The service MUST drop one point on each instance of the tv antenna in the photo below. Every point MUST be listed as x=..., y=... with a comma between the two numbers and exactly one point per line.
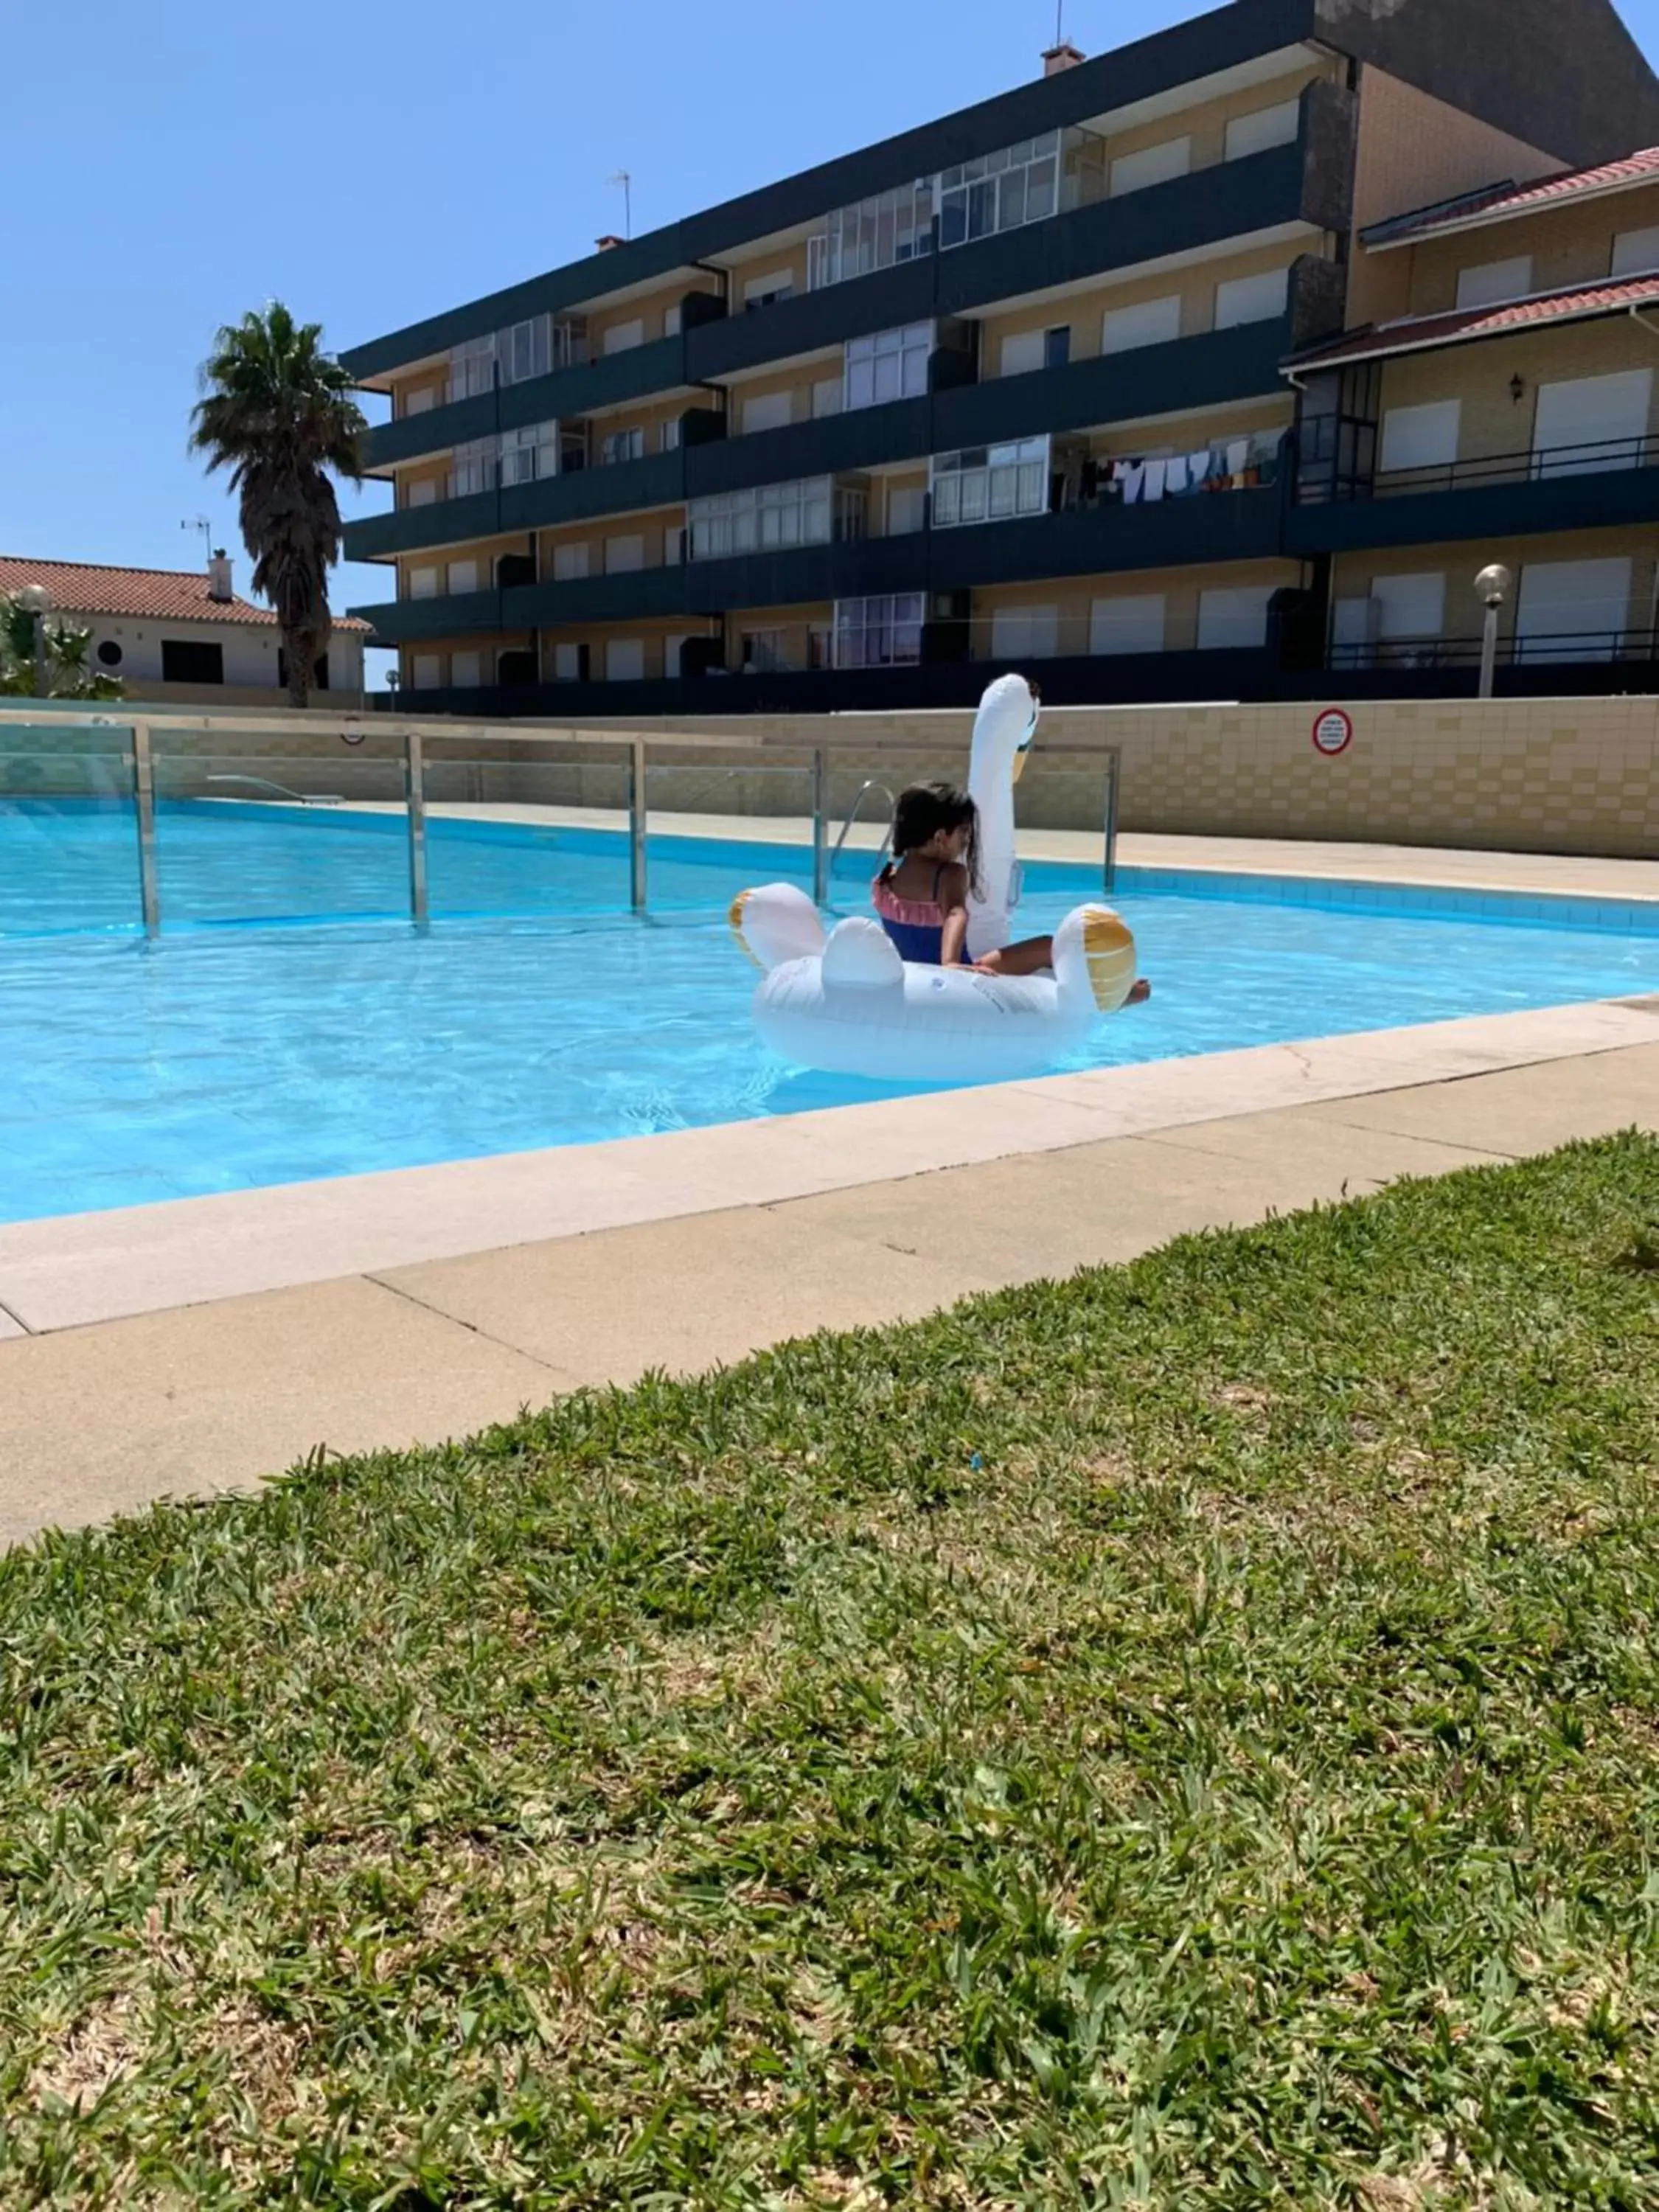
x=625, y=178
x=200, y=522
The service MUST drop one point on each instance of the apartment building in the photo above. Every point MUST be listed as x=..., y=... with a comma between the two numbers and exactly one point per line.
x=1500, y=409
x=1007, y=389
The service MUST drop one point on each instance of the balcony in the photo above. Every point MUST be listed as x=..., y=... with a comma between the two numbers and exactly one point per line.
x=638, y=372
x=1303, y=182
x=1502, y=495
x=622, y=488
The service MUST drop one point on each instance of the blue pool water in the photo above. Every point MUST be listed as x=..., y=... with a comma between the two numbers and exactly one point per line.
x=255, y=1043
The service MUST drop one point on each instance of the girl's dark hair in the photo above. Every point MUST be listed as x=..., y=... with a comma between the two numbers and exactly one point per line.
x=923, y=810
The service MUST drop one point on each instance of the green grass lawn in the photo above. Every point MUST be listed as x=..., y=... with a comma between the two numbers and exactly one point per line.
x=1185, y=1738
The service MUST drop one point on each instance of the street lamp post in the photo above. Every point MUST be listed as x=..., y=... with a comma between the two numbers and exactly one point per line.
x=1493, y=586
x=37, y=601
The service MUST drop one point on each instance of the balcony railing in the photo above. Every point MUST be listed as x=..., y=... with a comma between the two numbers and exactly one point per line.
x=1418, y=654
x=1533, y=465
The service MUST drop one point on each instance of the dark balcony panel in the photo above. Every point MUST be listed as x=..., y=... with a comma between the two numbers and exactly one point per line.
x=833, y=443
x=1171, y=533
x=631, y=595
x=625, y=487
x=1319, y=301
x=812, y=321
x=1159, y=380
x=703, y=426
x=1330, y=137
x=1492, y=512
x=1204, y=209
x=407, y=622
x=638, y=372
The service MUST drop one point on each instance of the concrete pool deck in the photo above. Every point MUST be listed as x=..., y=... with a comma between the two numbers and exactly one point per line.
x=194, y=1347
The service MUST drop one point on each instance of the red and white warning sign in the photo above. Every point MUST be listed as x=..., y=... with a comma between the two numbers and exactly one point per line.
x=1333, y=732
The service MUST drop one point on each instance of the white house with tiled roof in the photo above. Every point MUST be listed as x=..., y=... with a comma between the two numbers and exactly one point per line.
x=184, y=636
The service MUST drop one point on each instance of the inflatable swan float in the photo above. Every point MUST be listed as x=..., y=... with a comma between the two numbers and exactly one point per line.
x=848, y=1004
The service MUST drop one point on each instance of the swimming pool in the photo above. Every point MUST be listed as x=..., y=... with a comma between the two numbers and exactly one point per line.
x=285, y=1028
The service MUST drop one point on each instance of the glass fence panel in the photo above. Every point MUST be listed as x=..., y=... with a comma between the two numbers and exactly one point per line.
x=69, y=838
x=290, y=829
x=719, y=826
x=535, y=830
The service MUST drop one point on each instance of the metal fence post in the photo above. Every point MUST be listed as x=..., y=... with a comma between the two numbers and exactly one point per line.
x=638, y=886
x=1113, y=777
x=820, y=830
x=143, y=800
x=419, y=907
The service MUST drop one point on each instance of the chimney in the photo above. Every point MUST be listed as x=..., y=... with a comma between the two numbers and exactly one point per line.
x=219, y=577
x=1064, y=55
x=606, y=243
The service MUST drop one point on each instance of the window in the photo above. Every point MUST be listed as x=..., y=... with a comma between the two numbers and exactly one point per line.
x=1409, y=607
x=423, y=583
x=624, y=555
x=474, y=469
x=624, y=660
x=1492, y=281
x=674, y=546
x=772, y=410
x=463, y=576
x=828, y=395
x=622, y=446
x=762, y=291
x=999, y=191
x=1572, y=610
x=465, y=671
x=673, y=321
x=990, y=483
x=569, y=663
x=879, y=633
x=109, y=653
x=907, y=509
x=426, y=673
x=622, y=337
x=819, y=648
x=1236, y=618
x=1154, y=165
x=1421, y=437
x=1025, y=633
x=191, y=660
x=888, y=365
x=423, y=492
x=1251, y=299
x=569, y=563
x=571, y=349
x=1127, y=625
x=530, y=454
x=1263, y=127
x=768, y=516
x=873, y=234
x=1022, y=353
x=1151, y=322
x=472, y=368
x=420, y=402
x=673, y=646
x=524, y=351
x=1592, y=423
x=762, y=650
x=669, y=439
x=1636, y=251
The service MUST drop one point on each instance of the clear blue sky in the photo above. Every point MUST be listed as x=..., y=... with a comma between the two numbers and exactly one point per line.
x=184, y=162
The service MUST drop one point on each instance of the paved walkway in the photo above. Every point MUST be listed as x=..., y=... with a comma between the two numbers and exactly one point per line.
x=792, y=1228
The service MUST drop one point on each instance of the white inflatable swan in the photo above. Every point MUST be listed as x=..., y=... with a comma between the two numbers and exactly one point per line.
x=849, y=1004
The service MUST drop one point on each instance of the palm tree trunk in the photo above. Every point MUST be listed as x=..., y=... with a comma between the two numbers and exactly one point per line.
x=301, y=667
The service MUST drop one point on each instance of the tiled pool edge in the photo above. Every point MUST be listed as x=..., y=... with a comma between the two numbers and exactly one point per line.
x=70, y=1270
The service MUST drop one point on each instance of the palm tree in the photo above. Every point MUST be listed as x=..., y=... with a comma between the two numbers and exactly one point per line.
x=277, y=410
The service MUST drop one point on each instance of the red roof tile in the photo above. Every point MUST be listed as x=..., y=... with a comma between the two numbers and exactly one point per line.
x=1422, y=333
x=81, y=587
x=1499, y=202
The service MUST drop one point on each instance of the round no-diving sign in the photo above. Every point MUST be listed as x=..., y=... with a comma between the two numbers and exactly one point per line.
x=1333, y=732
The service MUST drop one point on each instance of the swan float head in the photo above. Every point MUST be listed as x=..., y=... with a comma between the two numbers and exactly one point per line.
x=1005, y=730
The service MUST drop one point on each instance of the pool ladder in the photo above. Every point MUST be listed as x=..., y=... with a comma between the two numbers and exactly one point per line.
x=865, y=789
